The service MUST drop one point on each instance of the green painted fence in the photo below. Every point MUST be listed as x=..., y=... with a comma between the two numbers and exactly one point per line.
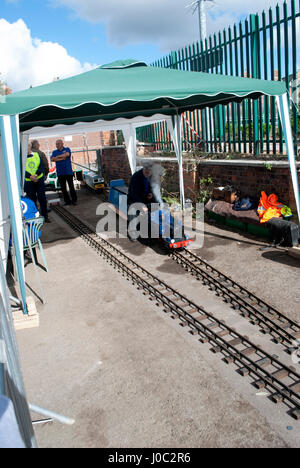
x=263, y=46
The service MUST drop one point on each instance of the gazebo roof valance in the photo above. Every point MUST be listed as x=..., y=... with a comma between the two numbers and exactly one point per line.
x=128, y=89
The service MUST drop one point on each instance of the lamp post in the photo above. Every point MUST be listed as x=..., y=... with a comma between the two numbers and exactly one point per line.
x=200, y=6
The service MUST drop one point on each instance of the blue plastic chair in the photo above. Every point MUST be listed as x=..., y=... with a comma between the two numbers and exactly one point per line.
x=31, y=237
x=31, y=240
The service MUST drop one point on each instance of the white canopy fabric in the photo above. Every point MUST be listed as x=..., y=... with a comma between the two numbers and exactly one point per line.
x=98, y=125
x=175, y=128
x=127, y=126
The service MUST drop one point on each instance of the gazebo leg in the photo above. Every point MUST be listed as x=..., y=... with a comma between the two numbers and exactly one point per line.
x=9, y=128
x=284, y=114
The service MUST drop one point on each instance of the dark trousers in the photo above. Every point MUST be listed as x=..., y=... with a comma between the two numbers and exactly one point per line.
x=36, y=191
x=63, y=180
x=133, y=233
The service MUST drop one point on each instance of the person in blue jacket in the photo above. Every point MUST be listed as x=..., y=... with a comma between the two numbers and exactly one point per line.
x=139, y=187
x=62, y=158
x=139, y=191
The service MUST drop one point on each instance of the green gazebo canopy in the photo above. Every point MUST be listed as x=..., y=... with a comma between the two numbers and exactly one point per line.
x=127, y=89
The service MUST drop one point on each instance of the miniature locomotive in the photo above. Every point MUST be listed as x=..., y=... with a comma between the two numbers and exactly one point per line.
x=93, y=181
x=170, y=230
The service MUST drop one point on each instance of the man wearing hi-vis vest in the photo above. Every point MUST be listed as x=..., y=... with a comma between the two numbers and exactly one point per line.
x=34, y=181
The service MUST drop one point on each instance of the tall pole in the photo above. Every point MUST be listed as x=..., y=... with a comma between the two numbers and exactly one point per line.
x=200, y=5
x=202, y=34
x=202, y=20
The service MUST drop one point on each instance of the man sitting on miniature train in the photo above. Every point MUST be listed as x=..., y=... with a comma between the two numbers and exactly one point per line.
x=139, y=201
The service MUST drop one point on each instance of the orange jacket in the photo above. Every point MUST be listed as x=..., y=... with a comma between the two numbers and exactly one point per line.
x=269, y=207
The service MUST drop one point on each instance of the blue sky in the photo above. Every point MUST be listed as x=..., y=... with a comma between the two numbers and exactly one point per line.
x=84, y=40
x=43, y=39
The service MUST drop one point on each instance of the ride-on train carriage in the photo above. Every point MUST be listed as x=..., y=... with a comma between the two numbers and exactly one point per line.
x=93, y=180
x=170, y=232
x=51, y=182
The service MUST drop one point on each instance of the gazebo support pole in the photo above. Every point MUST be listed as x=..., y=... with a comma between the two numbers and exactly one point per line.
x=11, y=154
x=175, y=129
x=284, y=114
x=129, y=134
x=178, y=128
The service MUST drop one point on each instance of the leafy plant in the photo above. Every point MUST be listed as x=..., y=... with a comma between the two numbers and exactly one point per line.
x=205, y=189
x=170, y=198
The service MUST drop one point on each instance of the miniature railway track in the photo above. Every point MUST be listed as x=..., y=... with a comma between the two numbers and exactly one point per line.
x=271, y=321
x=267, y=370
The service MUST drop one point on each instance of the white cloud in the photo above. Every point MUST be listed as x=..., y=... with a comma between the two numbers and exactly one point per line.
x=26, y=61
x=167, y=23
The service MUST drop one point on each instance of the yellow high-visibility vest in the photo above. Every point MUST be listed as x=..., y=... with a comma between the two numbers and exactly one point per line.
x=32, y=165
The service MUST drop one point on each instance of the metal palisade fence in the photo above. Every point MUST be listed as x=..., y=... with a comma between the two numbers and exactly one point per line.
x=263, y=46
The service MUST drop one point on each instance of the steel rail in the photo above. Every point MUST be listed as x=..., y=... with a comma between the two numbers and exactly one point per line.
x=287, y=331
x=185, y=309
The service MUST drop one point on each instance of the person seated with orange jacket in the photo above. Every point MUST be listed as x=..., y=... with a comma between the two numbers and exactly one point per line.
x=269, y=207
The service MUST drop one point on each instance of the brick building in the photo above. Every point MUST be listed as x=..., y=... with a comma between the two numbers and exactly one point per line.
x=83, y=146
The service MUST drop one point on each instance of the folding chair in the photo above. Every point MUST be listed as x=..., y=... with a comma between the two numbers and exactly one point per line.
x=31, y=240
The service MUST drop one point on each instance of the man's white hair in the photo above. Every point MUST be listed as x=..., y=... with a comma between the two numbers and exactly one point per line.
x=33, y=143
x=147, y=165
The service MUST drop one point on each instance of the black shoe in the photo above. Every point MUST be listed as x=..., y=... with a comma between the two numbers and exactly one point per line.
x=47, y=220
x=74, y=203
x=66, y=204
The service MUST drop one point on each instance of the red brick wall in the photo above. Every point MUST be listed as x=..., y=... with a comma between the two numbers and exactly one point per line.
x=170, y=179
x=252, y=180
x=115, y=164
